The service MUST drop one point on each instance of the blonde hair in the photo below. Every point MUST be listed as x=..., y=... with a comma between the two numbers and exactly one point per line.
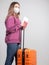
x=11, y=9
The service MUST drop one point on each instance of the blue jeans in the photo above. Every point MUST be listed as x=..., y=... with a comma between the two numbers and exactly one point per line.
x=11, y=51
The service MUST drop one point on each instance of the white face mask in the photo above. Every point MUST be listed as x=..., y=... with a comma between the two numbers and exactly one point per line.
x=16, y=10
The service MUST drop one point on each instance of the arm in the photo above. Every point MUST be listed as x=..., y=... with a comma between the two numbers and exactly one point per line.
x=11, y=26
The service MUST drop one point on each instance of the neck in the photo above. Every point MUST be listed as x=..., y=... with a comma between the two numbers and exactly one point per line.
x=16, y=15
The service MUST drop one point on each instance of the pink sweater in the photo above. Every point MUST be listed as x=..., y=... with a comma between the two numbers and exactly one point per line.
x=13, y=24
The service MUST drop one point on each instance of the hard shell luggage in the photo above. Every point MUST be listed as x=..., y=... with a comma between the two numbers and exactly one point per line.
x=25, y=56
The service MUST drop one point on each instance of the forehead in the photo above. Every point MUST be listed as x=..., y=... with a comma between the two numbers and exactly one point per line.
x=17, y=5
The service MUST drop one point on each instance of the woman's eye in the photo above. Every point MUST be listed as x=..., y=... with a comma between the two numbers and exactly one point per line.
x=17, y=7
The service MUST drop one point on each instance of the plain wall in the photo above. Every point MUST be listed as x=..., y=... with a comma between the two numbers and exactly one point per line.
x=37, y=31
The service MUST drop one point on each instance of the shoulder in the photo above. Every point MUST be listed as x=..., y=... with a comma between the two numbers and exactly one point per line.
x=11, y=18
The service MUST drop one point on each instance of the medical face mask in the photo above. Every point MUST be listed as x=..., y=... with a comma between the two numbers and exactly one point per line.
x=16, y=10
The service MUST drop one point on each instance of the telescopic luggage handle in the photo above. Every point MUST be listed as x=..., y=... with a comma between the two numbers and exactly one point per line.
x=23, y=37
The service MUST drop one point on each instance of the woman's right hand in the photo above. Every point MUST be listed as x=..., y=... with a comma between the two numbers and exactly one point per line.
x=24, y=24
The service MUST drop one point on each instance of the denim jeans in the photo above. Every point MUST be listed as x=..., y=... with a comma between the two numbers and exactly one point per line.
x=11, y=51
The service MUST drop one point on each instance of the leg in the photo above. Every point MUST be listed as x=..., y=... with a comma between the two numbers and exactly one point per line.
x=18, y=47
x=11, y=50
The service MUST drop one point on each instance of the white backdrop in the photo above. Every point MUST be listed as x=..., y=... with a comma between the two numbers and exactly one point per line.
x=37, y=31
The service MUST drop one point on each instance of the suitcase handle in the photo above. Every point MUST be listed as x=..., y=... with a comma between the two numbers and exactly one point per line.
x=23, y=37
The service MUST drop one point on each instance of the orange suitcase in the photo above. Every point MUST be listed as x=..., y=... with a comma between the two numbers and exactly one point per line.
x=26, y=56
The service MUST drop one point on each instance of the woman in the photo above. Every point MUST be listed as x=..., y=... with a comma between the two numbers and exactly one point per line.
x=14, y=28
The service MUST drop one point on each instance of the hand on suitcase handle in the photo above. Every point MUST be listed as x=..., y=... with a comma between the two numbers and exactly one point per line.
x=24, y=22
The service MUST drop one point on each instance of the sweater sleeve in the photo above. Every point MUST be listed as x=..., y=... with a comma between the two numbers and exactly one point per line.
x=11, y=26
